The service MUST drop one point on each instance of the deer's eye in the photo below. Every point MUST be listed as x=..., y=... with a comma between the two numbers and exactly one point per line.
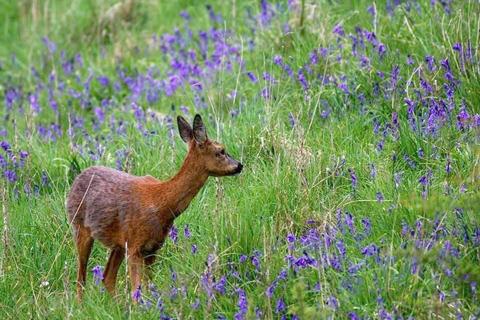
x=221, y=153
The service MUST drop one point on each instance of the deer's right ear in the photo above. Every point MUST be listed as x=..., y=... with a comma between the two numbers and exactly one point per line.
x=184, y=128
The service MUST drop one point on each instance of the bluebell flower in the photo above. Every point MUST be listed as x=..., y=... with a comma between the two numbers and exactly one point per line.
x=280, y=306
x=97, y=274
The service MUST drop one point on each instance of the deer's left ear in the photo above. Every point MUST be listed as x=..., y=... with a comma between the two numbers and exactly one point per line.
x=199, y=131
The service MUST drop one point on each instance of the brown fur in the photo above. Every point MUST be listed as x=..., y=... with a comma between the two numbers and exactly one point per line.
x=132, y=215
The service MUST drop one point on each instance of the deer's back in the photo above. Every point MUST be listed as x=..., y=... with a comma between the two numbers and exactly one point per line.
x=101, y=199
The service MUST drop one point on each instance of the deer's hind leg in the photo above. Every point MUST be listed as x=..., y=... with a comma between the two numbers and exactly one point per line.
x=114, y=261
x=84, y=243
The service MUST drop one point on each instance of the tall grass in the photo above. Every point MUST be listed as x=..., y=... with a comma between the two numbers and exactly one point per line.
x=403, y=242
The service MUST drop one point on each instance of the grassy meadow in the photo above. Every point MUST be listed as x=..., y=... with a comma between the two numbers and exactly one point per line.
x=357, y=123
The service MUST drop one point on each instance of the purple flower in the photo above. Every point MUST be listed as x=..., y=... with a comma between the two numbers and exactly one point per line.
x=291, y=238
x=379, y=196
x=219, y=286
x=280, y=306
x=430, y=63
x=409, y=60
x=34, y=104
x=353, y=178
x=370, y=250
x=252, y=77
x=394, y=76
x=103, y=80
x=303, y=81
x=100, y=114
x=381, y=49
x=353, y=268
x=338, y=29
x=372, y=10
x=373, y=171
x=367, y=226
x=332, y=302
x=313, y=57
x=51, y=46
x=184, y=14
x=173, y=234
x=10, y=175
x=242, y=305
x=349, y=222
x=137, y=294
x=97, y=274
x=194, y=249
x=462, y=118
x=186, y=232
x=448, y=166
x=341, y=248
x=292, y=120
x=255, y=259
x=278, y=60
x=397, y=179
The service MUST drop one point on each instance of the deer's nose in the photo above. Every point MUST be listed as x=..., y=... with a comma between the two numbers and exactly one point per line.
x=239, y=168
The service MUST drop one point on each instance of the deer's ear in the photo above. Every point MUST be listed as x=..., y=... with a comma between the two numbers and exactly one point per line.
x=199, y=131
x=184, y=128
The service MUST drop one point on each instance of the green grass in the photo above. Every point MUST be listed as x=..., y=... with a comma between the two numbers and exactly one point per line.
x=293, y=178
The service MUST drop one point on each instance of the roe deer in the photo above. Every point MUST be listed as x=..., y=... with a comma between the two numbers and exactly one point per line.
x=132, y=215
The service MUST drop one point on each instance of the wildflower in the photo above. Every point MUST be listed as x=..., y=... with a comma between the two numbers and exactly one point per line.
x=255, y=259
x=301, y=78
x=97, y=274
x=349, y=222
x=462, y=118
x=280, y=306
x=409, y=60
x=173, y=234
x=381, y=49
x=367, y=226
x=34, y=104
x=338, y=29
x=341, y=248
x=353, y=268
x=373, y=171
x=219, y=286
x=397, y=179
x=100, y=114
x=103, y=80
x=394, y=76
x=196, y=304
x=278, y=60
x=186, y=232
x=332, y=302
x=5, y=145
x=370, y=250
x=242, y=305
x=292, y=120
x=252, y=77
x=448, y=166
x=51, y=46
x=137, y=294
x=430, y=63
x=10, y=175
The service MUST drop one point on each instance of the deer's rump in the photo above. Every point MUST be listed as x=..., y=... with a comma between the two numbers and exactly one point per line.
x=101, y=199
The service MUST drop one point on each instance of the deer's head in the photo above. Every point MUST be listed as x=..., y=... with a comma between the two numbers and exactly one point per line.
x=210, y=155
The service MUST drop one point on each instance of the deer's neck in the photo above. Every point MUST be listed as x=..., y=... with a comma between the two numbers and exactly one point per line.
x=185, y=185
